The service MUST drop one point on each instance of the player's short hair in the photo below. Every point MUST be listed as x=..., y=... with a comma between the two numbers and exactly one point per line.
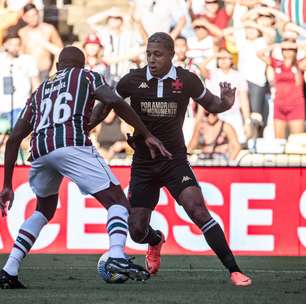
x=29, y=7
x=164, y=39
x=71, y=56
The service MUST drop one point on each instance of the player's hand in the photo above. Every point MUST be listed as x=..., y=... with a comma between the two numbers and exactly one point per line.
x=154, y=145
x=7, y=195
x=227, y=94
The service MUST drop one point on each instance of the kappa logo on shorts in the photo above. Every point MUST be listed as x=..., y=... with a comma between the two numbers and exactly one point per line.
x=186, y=179
x=143, y=85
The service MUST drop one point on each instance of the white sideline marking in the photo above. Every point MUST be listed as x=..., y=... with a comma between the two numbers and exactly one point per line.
x=176, y=270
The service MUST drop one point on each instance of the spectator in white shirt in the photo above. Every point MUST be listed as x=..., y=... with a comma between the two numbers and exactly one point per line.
x=201, y=45
x=122, y=44
x=18, y=77
x=161, y=16
x=239, y=114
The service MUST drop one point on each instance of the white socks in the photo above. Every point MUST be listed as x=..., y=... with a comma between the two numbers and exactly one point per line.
x=27, y=236
x=117, y=228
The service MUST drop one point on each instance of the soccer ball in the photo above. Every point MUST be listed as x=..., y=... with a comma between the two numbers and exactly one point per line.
x=107, y=276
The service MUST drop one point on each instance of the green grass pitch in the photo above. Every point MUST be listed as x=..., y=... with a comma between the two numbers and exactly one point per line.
x=54, y=279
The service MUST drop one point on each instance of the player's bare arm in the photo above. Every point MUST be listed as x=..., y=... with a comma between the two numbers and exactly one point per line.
x=21, y=130
x=215, y=104
x=105, y=94
x=99, y=113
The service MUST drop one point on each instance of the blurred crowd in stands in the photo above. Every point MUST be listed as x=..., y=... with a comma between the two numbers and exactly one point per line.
x=250, y=43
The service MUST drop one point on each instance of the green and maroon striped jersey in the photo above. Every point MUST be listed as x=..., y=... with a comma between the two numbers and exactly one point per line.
x=59, y=110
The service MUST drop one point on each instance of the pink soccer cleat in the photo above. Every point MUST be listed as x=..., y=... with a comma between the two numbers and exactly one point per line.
x=153, y=256
x=240, y=279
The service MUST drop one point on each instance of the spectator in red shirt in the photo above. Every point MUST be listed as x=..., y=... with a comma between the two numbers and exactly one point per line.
x=214, y=13
x=289, y=102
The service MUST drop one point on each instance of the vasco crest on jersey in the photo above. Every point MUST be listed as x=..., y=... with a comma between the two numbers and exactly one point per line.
x=177, y=86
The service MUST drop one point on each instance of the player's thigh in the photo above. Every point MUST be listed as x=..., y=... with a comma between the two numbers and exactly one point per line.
x=43, y=178
x=192, y=200
x=177, y=175
x=144, y=187
x=85, y=167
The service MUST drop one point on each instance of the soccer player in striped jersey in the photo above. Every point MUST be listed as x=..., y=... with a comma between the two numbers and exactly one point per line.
x=57, y=114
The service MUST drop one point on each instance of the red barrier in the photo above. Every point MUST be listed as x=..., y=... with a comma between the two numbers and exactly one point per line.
x=262, y=210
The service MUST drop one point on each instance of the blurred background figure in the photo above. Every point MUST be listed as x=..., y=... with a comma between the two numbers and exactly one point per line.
x=18, y=77
x=111, y=137
x=94, y=52
x=213, y=138
x=181, y=59
x=289, y=102
x=201, y=45
x=39, y=39
x=249, y=39
x=17, y=5
x=216, y=12
x=122, y=43
x=161, y=16
x=239, y=115
x=8, y=17
x=217, y=40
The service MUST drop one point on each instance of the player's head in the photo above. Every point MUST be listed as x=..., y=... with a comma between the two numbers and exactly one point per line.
x=31, y=15
x=70, y=57
x=160, y=51
x=12, y=43
x=180, y=47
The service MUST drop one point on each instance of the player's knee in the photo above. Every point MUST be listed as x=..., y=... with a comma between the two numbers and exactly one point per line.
x=199, y=213
x=137, y=230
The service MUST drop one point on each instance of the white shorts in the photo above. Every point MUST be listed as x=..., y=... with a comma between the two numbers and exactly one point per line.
x=82, y=165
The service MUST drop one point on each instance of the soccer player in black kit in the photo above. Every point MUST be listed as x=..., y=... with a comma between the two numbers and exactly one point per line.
x=160, y=93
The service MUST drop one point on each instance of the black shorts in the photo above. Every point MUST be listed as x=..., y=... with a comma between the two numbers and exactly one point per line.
x=147, y=177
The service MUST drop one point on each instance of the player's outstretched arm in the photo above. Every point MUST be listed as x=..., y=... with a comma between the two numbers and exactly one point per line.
x=21, y=130
x=215, y=104
x=105, y=94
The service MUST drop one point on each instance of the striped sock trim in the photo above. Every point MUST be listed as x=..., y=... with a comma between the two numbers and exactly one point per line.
x=24, y=241
x=115, y=218
x=17, y=247
x=28, y=234
x=118, y=232
x=208, y=225
x=117, y=225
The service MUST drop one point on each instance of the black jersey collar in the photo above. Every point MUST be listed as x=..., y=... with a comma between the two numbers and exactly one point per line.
x=170, y=74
